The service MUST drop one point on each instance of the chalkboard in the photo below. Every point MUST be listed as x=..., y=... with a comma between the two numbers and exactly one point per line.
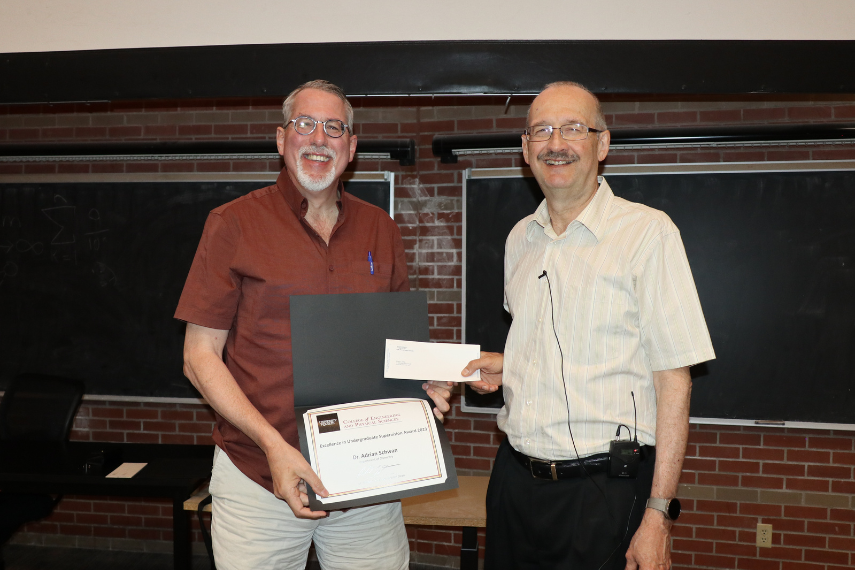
x=772, y=254
x=91, y=273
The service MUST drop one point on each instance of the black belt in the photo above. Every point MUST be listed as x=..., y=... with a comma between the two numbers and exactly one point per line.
x=555, y=470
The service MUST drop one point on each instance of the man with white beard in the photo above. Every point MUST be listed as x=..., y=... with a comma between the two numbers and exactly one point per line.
x=303, y=235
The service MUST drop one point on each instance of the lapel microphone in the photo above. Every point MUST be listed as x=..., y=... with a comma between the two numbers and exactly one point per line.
x=542, y=275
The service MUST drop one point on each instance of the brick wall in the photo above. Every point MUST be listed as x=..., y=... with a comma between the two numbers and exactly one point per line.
x=800, y=481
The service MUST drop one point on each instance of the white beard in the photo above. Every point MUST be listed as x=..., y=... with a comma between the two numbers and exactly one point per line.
x=316, y=184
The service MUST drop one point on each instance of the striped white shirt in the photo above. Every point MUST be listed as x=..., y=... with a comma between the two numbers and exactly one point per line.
x=624, y=304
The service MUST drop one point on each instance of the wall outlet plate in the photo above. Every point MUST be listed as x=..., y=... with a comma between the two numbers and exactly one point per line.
x=764, y=535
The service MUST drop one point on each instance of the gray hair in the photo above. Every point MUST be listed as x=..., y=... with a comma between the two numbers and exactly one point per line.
x=320, y=85
x=599, y=118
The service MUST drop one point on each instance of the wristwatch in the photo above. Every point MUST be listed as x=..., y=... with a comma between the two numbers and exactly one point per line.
x=669, y=507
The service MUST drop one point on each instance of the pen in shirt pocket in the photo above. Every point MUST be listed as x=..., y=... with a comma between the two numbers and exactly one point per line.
x=370, y=263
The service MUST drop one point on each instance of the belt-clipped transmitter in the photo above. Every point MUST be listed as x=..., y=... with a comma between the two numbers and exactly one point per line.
x=625, y=456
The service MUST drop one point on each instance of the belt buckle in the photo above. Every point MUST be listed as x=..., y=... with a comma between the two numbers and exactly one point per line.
x=531, y=461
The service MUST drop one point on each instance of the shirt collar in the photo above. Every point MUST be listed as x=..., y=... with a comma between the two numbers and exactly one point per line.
x=591, y=218
x=298, y=202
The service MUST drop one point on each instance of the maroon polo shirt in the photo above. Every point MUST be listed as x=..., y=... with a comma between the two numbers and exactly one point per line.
x=255, y=253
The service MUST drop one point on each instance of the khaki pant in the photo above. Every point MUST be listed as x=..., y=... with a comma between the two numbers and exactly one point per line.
x=253, y=530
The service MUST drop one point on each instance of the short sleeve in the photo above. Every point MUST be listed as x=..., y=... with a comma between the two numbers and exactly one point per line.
x=673, y=330
x=212, y=290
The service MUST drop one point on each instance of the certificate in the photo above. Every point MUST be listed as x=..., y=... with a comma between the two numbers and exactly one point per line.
x=429, y=360
x=365, y=449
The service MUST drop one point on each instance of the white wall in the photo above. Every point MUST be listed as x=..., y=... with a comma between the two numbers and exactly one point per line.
x=60, y=25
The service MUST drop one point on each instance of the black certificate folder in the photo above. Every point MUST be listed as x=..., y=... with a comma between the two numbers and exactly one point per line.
x=338, y=344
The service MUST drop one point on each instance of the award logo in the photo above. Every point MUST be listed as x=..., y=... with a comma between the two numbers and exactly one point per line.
x=327, y=423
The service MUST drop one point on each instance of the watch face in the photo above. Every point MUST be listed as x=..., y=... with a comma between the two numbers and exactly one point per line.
x=673, y=509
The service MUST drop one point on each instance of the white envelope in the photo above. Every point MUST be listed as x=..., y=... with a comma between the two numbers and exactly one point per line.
x=430, y=360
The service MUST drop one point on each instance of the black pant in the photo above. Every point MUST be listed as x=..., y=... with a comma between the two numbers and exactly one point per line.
x=583, y=523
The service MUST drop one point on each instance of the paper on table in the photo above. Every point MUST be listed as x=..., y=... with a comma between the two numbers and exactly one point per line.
x=126, y=470
x=429, y=360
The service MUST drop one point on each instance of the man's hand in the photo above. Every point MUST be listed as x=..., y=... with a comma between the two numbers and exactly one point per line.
x=490, y=365
x=650, y=548
x=440, y=393
x=289, y=470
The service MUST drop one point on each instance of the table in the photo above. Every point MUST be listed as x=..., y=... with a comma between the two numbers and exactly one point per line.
x=173, y=472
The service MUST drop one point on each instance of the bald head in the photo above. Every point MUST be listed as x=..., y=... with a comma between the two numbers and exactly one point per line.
x=576, y=91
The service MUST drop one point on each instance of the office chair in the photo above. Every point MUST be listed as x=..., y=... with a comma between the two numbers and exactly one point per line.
x=35, y=407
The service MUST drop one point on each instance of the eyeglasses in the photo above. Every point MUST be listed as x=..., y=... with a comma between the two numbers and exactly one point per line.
x=332, y=127
x=571, y=132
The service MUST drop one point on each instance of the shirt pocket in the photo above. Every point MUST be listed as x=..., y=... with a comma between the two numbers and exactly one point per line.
x=364, y=281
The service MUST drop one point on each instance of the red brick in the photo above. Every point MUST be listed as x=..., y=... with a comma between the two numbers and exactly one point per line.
x=829, y=471
x=814, y=485
x=841, y=543
x=110, y=531
x=721, y=116
x=843, y=458
x=843, y=515
x=786, y=469
x=699, y=156
x=437, y=283
x=143, y=509
x=92, y=518
x=716, y=507
x=656, y=158
x=90, y=132
x=731, y=549
x=744, y=156
x=738, y=466
x=693, y=545
x=835, y=528
x=834, y=443
x=799, y=512
x=790, y=565
x=39, y=168
x=473, y=464
x=741, y=439
x=785, y=524
x=75, y=529
x=718, y=479
x=808, y=456
x=672, y=117
x=141, y=414
x=142, y=167
x=736, y=521
x=757, y=564
x=845, y=487
x=126, y=131
x=195, y=130
x=142, y=437
x=764, y=115
x=791, y=441
x=634, y=119
x=124, y=425
x=810, y=113
x=760, y=510
x=783, y=553
x=431, y=535
x=479, y=438
x=159, y=426
x=763, y=454
x=714, y=561
x=826, y=556
x=160, y=130
x=108, y=436
x=697, y=464
x=834, y=154
x=714, y=533
x=844, y=112
x=69, y=504
x=110, y=507
x=145, y=534
x=787, y=155
x=461, y=450
x=719, y=451
x=803, y=540
x=760, y=482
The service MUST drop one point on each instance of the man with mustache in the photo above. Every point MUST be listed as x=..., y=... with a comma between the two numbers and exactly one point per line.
x=606, y=318
x=303, y=235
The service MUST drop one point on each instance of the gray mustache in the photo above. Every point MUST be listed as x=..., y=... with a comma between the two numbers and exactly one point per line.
x=553, y=155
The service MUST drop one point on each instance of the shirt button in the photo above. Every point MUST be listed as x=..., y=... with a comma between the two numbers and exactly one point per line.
x=528, y=442
x=528, y=402
x=331, y=268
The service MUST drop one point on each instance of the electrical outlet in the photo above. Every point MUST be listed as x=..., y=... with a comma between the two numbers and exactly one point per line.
x=764, y=535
